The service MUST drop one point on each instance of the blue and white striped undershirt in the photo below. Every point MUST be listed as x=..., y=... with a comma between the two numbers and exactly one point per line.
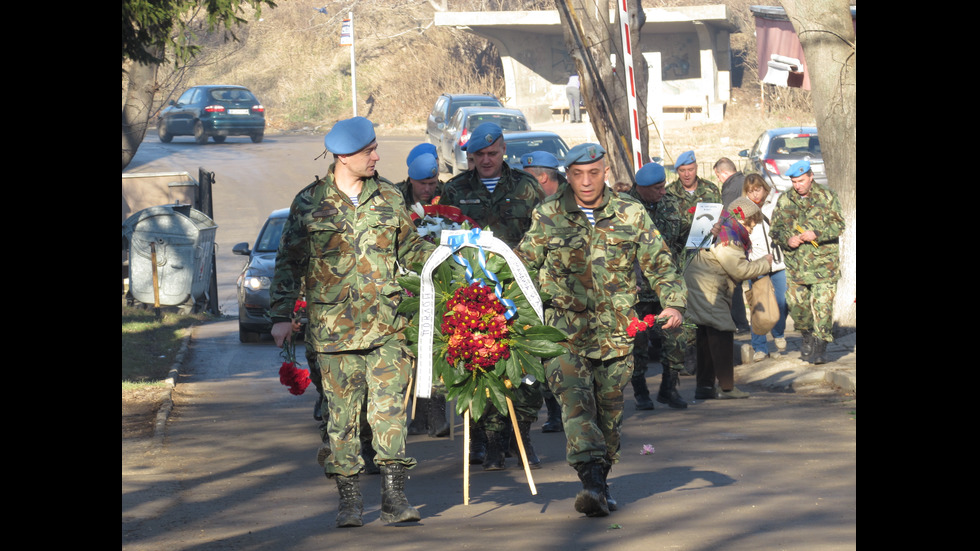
x=491, y=183
x=353, y=199
x=588, y=214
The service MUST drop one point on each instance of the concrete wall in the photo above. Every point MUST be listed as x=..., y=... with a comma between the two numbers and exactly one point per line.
x=688, y=50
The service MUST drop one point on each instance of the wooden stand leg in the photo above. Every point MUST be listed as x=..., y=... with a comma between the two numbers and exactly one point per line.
x=520, y=446
x=466, y=457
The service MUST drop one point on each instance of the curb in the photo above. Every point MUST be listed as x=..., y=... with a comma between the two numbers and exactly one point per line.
x=168, y=403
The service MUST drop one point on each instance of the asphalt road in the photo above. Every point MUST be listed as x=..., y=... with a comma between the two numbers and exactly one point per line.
x=235, y=466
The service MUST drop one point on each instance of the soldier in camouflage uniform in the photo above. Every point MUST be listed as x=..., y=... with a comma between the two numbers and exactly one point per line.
x=650, y=190
x=583, y=244
x=346, y=234
x=807, y=224
x=422, y=184
x=500, y=199
x=687, y=190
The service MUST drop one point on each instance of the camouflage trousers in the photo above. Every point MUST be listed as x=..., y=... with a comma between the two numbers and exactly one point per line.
x=812, y=307
x=591, y=396
x=316, y=379
x=380, y=377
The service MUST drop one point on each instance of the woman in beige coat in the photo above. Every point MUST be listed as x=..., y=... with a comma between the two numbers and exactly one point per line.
x=711, y=278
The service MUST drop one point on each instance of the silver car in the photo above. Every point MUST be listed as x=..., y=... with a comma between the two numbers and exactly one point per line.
x=256, y=277
x=778, y=148
x=457, y=132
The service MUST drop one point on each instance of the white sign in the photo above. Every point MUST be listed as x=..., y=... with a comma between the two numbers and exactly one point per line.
x=705, y=216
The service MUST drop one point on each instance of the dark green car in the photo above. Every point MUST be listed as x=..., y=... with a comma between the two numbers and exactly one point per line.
x=214, y=112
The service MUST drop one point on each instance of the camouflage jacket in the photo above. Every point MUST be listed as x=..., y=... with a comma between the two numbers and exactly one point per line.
x=668, y=219
x=507, y=212
x=706, y=192
x=588, y=271
x=350, y=257
x=819, y=211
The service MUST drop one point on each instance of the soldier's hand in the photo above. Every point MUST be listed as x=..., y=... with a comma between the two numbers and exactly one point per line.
x=281, y=330
x=794, y=241
x=674, y=318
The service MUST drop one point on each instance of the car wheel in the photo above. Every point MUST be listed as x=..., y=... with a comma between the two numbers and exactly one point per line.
x=200, y=136
x=165, y=136
x=257, y=138
x=247, y=336
x=219, y=139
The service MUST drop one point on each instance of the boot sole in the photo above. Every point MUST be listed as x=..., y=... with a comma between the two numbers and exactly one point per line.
x=350, y=523
x=591, y=504
x=410, y=515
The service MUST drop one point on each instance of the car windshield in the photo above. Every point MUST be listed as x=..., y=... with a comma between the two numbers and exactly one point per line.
x=794, y=146
x=269, y=239
x=517, y=148
x=231, y=94
x=471, y=103
x=506, y=122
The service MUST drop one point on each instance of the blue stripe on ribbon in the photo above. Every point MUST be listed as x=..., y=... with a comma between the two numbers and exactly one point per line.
x=472, y=237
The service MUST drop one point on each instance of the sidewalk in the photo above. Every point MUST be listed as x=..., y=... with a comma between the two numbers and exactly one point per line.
x=788, y=372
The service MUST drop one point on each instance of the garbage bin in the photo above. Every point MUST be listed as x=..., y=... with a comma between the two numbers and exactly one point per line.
x=184, y=243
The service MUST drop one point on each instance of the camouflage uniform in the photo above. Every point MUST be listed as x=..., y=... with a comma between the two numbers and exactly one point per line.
x=350, y=257
x=812, y=272
x=706, y=192
x=507, y=213
x=588, y=273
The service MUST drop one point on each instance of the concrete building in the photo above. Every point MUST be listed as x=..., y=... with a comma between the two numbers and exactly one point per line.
x=687, y=50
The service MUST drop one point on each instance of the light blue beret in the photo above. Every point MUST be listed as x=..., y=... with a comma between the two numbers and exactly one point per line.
x=539, y=158
x=685, y=158
x=584, y=153
x=424, y=166
x=483, y=136
x=419, y=150
x=650, y=174
x=799, y=168
x=349, y=136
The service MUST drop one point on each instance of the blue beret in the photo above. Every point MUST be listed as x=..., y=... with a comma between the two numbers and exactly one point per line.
x=483, y=136
x=424, y=166
x=650, y=174
x=419, y=150
x=349, y=136
x=799, y=168
x=540, y=158
x=685, y=158
x=584, y=153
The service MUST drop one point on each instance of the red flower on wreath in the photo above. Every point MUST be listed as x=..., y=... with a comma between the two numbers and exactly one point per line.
x=477, y=328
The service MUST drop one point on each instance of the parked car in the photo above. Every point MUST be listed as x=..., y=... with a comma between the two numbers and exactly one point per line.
x=256, y=277
x=778, y=148
x=457, y=132
x=446, y=106
x=521, y=143
x=214, y=112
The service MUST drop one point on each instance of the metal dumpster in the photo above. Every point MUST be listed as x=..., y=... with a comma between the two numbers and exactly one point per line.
x=183, y=239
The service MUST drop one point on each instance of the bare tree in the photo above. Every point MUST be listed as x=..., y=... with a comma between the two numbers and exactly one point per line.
x=826, y=32
x=590, y=39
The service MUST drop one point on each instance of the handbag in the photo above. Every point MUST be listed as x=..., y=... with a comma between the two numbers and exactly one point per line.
x=760, y=297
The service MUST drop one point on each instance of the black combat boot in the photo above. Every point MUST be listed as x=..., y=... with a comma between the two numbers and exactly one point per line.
x=351, y=503
x=478, y=444
x=420, y=422
x=806, y=347
x=497, y=444
x=394, y=504
x=668, y=389
x=368, y=454
x=525, y=434
x=640, y=391
x=610, y=502
x=553, y=424
x=438, y=426
x=819, y=354
x=592, y=499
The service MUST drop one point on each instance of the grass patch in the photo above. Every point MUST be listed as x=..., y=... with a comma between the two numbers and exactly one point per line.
x=149, y=345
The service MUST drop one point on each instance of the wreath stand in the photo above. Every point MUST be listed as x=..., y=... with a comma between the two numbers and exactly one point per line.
x=451, y=241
